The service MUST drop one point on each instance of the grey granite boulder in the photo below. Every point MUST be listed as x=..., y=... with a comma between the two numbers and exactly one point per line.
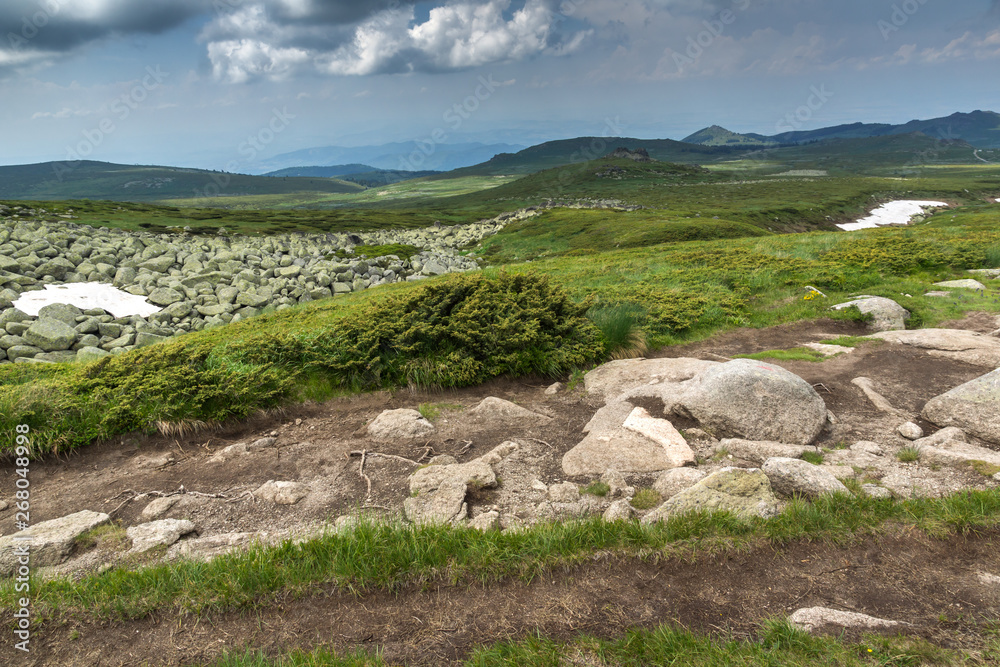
x=50, y=335
x=974, y=407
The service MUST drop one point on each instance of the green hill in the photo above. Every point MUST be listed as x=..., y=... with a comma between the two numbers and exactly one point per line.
x=720, y=136
x=103, y=180
x=582, y=149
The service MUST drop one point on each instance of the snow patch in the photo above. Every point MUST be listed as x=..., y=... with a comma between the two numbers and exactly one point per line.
x=892, y=213
x=84, y=296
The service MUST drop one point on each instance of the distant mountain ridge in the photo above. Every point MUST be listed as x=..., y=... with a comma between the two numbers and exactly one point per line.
x=980, y=129
x=401, y=156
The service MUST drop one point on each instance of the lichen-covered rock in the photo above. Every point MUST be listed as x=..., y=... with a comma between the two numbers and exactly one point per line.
x=51, y=541
x=887, y=315
x=797, y=477
x=973, y=407
x=742, y=491
x=164, y=532
x=50, y=335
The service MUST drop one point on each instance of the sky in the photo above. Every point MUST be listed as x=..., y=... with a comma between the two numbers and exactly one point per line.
x=228, y=84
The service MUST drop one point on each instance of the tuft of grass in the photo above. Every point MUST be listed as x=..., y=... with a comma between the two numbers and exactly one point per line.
x=110, y=536
x=815, y=458
x=621, y=328
x=429, y=411
x=984, y=468
x=646, y=499
x=793, y=354
x=908, y=455
x=599, y=489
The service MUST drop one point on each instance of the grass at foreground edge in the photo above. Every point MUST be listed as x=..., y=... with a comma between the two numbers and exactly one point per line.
x=776, y=643
x=389, y=556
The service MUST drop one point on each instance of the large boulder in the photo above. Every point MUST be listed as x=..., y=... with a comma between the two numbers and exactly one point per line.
x=51, y=541
x=50, y=335
x=797, y=477
x=400, y=425
x=751, y=399
x=64, y=312
x=887, y=315
x=742, y=491
x=615, y=378
x=973, y=407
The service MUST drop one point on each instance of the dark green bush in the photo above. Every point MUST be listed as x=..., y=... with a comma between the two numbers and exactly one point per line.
x=460, y=332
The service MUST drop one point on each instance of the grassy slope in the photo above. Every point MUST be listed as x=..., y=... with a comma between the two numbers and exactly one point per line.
x=101, y=180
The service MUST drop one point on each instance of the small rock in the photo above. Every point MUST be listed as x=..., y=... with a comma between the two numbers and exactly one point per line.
x=867, y=447
x=967, y=283
x=620, y=510
x=662, y=432
x=758, y=451
x=876, y=491
x=554, y=389
x=230, y=452
x=486, y=521
x=400, y=425
x=742, y=491
x=158, y=507
x=797, y=477
x=445, y=504
x=282, y=493
x=887, y=315
x=699, y=435
x=814, y=618
x=988, y=579
x=496, y=409
x=261, y=443
x=3, y=504
x=910, y=431
x=617, y=483
x=567, y=492
x=165, y=532
x=539, y=485
x=672, y=482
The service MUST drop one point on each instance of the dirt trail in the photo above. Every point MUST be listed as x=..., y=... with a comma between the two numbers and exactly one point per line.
x=905, y=577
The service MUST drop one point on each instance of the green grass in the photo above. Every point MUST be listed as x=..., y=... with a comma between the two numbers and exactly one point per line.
x=908, y=455
x=646, y=499
x=815, y=458
x=776, y=642
x=388, y=557
x=429, y=411
x=621, y=328
x=793, y=354
x=599, y=489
